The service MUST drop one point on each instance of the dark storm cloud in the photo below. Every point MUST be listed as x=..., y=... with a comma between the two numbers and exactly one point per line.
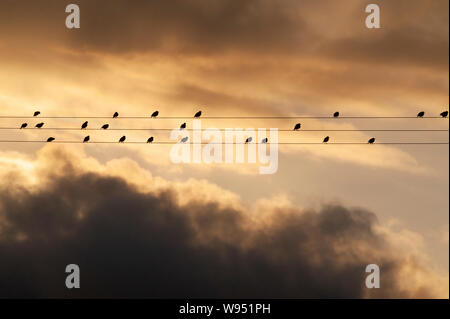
x=133, y=244
x=413, y=33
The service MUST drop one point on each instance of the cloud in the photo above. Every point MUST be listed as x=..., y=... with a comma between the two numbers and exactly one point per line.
x=132, y=241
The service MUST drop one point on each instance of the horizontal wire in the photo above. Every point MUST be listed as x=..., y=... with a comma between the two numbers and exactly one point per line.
x=206, y=143
x=219, y=117
x=220, y=129
x=213, y=129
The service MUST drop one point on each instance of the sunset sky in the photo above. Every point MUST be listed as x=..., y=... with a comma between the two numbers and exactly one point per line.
x=141, y=226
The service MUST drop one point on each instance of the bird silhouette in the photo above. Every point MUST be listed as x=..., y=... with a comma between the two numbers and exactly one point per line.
x=50, y=139
x=184, y=139
x=297, y=126
x=150, y=139
x=248, y=140
x=183, y=126
x=336, y=114
x=86, y=139
x=115, y=114
x=85, y=124
x=122, y=139
x=265, y=140
x=444, y=114
x=198, y=114
x=36, y=113
x=39, y=125
x=326, y=139
x=421, y=114
x=372, y=140
x=155, y=114
x=24, y=125
x=105, y=127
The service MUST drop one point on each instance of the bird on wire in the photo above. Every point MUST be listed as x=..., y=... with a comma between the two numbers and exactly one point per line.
x=155, y=114
x=326, y=139
x=105, y=127
x=421, y=114
x=86, y=139
x=184, y=139
x=50, y=139
x=198, y=114
x=183, y=126
x=39, y=125
x=36, y=113
x=444, y=114
x=150, y=139
x=372, y=140
x=336, y=114
x=24, y=125
x=248, y=140
x=297, y=126
x=115, y=115
x=84, y=125
x=122, y=139
x=265, y=140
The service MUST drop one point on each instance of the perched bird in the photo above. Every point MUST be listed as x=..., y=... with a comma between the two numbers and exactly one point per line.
x=372, y=140
x=155, y=114
x=36, y=113
x=115, y=114
x=50, y=139
x=184, y=139
x=336, y=114
x=39, y=125
x=326, y=139
x=265, y=140
x=183, y=126
x=297, y=126
x=444, y=114
x=248, y=140
x=85, y=124
x=421, y=114
x=105, y=127
x=122, y=139
x=86, y=139
x=24, y=125
x=198, y=114
x=150, y=139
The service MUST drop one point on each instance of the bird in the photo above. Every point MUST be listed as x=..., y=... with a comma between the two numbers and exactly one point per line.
x=105, y=127
x=150, y=139
x=198, y=114
x=24, y=125
x=39, y=125
x=444, y=114
x=248, y=140
x=184, y=139
x=297, y=126
x=86, y=139
x=36, y=113
x=336, y=114
x=85, y=124
x=265, y=140
x=421, y=114
x=122, y=139
x=115, y=114
x=155, y=114
x=50, y=139
x=183, y=126
x=372, y=140
x=326, y=139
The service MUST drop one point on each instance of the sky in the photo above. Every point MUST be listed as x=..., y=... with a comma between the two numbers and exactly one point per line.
x=140, y=225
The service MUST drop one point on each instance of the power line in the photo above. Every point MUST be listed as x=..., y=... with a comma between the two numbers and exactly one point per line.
x=206, y=143
x=220, y=129
x=220, y=117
